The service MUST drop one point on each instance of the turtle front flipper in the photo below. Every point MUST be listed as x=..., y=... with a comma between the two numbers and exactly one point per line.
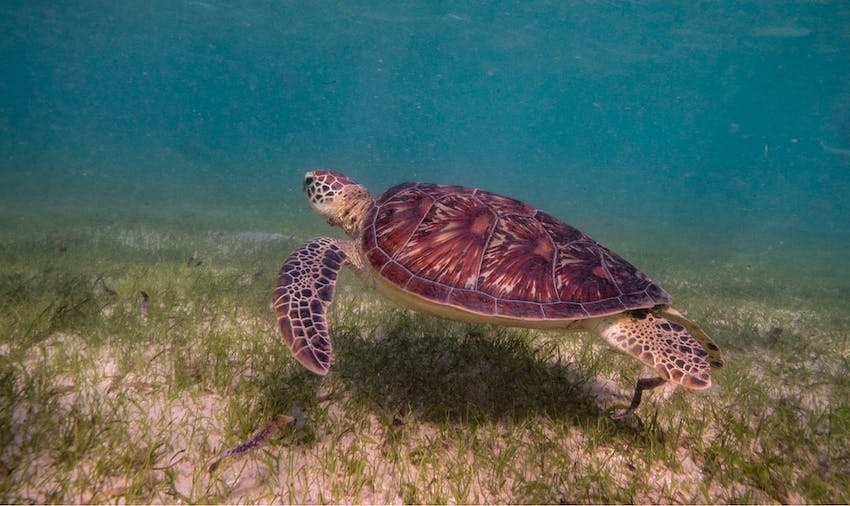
x=305, y=289
x=662, y=344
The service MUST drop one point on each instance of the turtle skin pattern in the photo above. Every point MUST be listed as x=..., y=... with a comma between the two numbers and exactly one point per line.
x=494, y=255
x=305, y=288
x=665, y=346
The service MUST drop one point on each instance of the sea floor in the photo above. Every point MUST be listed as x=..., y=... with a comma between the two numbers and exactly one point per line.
x=133, y=351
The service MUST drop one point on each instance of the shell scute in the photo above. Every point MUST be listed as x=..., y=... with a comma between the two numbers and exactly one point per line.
x=565, y=310
x=396, y=273
x=607, y=306
x=369, y=243
x=473, y=300
x=637, y=299
x=441, y=190
x=448, y=244
x=658, y=294
x=580, y=274
x=514, y=308
x=428, y=289
x=560, y=232
x=377, y=258
x=398, y=218
x=628, y=277
x=518, y=262
x=504, y=205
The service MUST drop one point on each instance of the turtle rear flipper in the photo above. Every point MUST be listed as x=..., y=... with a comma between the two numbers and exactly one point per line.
x=305, y=289
x=662, y=344
x=715, y=357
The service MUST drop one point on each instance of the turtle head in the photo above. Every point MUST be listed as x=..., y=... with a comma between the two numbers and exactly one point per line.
x=339, y=199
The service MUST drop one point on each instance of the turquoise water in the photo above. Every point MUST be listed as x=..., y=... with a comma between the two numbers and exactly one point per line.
x=153, y=152
x=676, y=128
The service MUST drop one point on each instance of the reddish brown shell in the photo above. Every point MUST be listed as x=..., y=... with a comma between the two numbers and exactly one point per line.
x=494, y=255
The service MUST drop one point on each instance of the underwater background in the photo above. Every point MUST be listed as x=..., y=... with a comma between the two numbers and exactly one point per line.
x=677, y=127
x=151, y=163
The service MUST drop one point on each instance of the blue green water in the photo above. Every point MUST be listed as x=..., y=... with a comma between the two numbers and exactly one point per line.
x=681, y=127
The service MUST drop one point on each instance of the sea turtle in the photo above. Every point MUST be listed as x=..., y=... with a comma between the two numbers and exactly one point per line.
x=472, y=255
